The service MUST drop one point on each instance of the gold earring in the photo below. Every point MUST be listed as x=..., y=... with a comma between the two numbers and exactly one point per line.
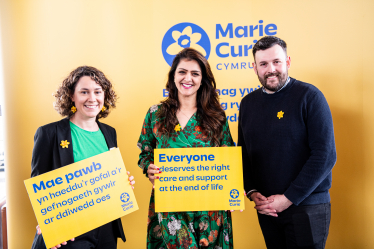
x=73, y=109
x=103, y=109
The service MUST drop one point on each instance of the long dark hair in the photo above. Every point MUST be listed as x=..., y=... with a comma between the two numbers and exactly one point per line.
x=209, y=111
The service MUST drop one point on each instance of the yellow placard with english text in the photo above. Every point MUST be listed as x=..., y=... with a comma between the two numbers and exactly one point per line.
x=82, y=196
x=199, y=179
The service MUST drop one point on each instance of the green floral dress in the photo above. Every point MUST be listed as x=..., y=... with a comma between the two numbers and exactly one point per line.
x=202, y=229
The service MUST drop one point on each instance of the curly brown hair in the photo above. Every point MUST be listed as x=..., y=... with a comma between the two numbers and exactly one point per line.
x=63, y=102
x=210, y=114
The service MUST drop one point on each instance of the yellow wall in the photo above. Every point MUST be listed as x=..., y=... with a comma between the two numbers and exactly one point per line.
x=330, y=44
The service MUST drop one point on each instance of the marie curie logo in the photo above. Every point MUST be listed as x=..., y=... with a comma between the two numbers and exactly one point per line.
x=125, y=197
x=234, y=193
x=184, y=35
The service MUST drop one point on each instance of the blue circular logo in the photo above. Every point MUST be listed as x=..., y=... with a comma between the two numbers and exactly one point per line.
x=125, y=197
x=184, y=35
x=234, y=193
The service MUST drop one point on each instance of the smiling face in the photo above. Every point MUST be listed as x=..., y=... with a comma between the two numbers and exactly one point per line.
x=271, y=66
x=88, y=98
x=188, y=78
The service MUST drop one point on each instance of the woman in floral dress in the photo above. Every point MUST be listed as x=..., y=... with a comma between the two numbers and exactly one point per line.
x=190, y=117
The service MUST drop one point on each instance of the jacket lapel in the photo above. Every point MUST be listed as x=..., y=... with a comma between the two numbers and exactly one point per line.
x=64, y=133
x=108, y=138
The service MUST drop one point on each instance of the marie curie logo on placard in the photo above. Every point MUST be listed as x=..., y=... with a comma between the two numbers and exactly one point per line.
x=125, y=197
x=184, y=35
x=234, y=193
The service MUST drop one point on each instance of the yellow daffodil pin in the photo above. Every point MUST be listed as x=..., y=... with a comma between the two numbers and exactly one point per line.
x=73, y=109
x=64, y=144
x=177, y=127
x=280, y=114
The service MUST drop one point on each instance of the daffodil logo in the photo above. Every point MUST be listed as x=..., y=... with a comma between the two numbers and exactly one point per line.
x=184, y=35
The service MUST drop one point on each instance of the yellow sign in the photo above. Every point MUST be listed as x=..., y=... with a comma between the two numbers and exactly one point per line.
x=79, y=197
x=199, y=179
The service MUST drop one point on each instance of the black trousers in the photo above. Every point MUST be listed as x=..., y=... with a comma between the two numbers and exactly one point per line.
x=303, y=227
x=100, y=238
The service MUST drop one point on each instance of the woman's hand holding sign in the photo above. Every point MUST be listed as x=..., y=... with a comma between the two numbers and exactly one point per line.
x=152, y=170
x=131, y=180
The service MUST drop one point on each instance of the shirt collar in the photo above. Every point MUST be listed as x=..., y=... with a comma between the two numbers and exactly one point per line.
x=285, y=84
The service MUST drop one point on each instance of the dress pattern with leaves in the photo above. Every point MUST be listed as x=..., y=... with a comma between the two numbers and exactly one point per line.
x=174, y=230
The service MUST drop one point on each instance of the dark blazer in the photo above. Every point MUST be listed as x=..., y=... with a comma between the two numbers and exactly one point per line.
x=48, y=155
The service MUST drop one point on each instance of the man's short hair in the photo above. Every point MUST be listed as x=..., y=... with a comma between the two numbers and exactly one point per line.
x=267, y=42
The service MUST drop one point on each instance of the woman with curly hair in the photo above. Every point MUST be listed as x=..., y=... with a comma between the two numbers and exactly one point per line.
x=85, y=96
x=191, y=116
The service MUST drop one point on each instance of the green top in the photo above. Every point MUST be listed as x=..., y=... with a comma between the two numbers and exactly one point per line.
x=86, y=143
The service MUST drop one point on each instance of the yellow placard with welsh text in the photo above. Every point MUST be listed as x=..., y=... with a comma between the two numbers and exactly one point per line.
x=82, y=196
x=199, y=179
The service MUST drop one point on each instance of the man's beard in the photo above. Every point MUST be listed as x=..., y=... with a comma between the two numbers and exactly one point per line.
x=282, y=78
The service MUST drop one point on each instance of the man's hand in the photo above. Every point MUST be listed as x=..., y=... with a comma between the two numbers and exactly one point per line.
x=263, y=204
x=280, y=203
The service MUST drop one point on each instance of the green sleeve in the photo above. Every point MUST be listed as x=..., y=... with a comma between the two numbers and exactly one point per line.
x=147, y=142
x=226, y=136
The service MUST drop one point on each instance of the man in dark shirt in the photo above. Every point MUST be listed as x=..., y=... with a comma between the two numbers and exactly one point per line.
x=287, y=138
